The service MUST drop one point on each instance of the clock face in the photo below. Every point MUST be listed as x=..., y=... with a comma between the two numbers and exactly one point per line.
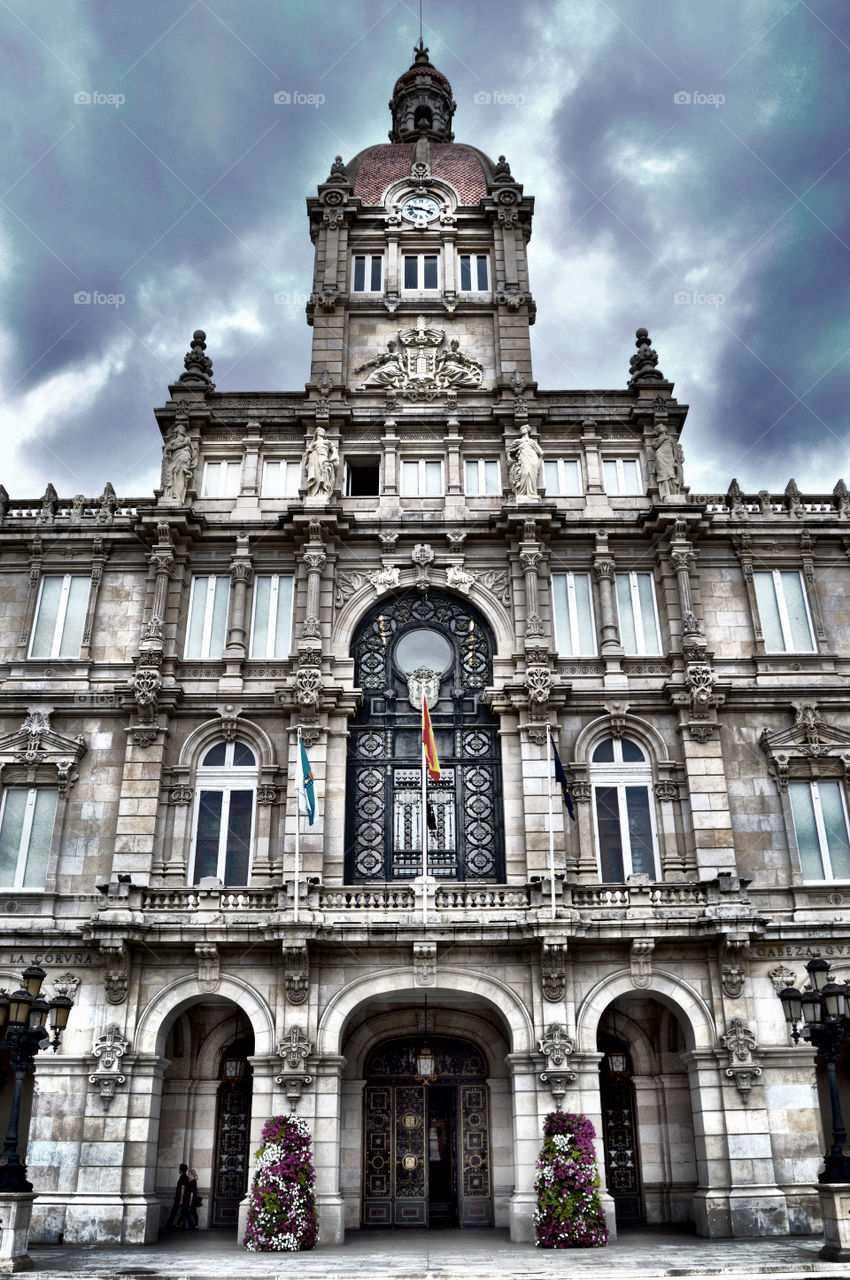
x=420, y=208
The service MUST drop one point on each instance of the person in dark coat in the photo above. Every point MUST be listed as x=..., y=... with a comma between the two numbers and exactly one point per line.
x=179, y=1194
x=190, y=1202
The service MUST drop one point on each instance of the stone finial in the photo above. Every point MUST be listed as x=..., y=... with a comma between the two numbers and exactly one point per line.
x=643, y=365
x=49, y=503
x=502, y=172
x=338, y=175
x=793, y=498
x=107, y=503
x=4, y=502
x=198, y=366
x=735, y=501
x=840, y=498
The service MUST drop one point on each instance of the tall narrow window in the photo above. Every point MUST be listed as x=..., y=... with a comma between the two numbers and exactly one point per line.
x=224, y=819
x=820, y=824
x=573, y=609
x=221, y=479
x=367, y=273
x=784, y=612
x=622, y=476
x=421, y=479
x=421, y=271
x=271, y=626
x=562, y=477
x=60, y=616
x=639, y=631
x=207, y=627
x=474, y=273
x=26, y=830
x=281, y=478
x=623, y=810
x=482, y=478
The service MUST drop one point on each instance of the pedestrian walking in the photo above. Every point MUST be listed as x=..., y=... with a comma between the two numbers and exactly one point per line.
x=190, y=1202
x=179, y=1193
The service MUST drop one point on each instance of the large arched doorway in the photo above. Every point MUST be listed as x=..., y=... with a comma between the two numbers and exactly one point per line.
x=439, y=645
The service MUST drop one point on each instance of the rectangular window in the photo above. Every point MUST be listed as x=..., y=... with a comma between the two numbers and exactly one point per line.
x=362, y=478
x=784, y=612
x=205, y=634
x=223, y=840
x=639, y=631
x=368, y=271
x=573, y=610
x=421, y=271
x=622, y=476
x=562, y=477
x=624, y=827
x=281, y=478
x=60, y=616
x=482, y=478
x=474, y=273
x=820, y=824
x=421, y=479
x=271, y=625
x=26, y=830
x=221, y=479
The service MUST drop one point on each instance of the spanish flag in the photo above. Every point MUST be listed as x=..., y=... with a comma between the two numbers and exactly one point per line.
x=431, y=759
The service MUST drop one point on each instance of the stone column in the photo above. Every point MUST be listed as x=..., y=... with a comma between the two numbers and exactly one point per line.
x=528, y=1140
x=529, y=558
x=236, y=648
x=264, y=1105
x=351, y=1151
x=251, y=471
x=603, y=572
x=586, y=1099
x=315, y=561
x=389, y=487
x=711, y=1202
x=327, y=1075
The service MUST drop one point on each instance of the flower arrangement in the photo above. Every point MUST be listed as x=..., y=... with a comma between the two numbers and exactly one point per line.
x=282, y=1213
x=569, y=1214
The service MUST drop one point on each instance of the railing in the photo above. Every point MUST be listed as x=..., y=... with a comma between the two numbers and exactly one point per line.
x=600, y=896
x=486, y=898
x=384, y=898
x=210, y=899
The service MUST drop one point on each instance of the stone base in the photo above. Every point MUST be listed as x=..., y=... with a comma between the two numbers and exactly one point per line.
x=331, y=1211
x=610, y=1215
x=15, y=1215
x=835, y=1208
x=523, y=1204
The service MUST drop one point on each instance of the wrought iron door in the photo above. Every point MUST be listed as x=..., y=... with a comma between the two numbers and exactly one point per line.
x=385, y=818
x=230, y=1162
x=622, y=1157
x=396, y=1140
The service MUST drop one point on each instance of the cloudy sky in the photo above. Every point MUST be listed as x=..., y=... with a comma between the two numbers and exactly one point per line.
x=690, y=163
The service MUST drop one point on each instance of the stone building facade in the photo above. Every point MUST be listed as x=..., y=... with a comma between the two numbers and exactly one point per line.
x=424, y=518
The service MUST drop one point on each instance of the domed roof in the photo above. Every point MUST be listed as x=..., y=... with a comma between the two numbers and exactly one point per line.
x=419, y=69
x=374, y=169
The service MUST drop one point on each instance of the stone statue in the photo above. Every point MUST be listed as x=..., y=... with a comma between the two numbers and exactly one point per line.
x=320, y=464
x=668, y=463
x=454, y=369
x=387, y=369
x=525, y=457
x=179, y=457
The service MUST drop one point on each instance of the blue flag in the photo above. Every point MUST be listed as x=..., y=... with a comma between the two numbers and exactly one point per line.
x=306, y=790
x=563, y=782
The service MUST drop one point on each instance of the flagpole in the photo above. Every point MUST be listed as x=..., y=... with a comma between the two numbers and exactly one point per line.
x=550, y=767
x=424, y=837
x=298, y=774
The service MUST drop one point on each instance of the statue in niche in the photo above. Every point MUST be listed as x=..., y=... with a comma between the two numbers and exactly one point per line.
x=387, y=369
x=668, y=463
x=524, y=457
x=320, y=464
x=454, y=369
x=179, y=457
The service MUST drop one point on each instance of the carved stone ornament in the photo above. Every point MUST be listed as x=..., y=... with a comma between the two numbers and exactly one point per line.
x=423, y=681
x=640, y=961
x=293, y=1086
x=558, y=1082
x=308, y=680
x=581, y=792
x=109, y=1048
x=553, y=971
x=556, y=1045
x=296, y=973
x=386, y=579
x=459, y=579
x=702, y=732
x=295, y=1048
x=209, y=966
x=67, y=984
x=782, y=978
x=181, y=794
x=36, y=744
x=425, y=964
x=643, y=365
x=810, y=738
x=345, y=585
x=732, y=978
x=666, y=791
x=198, y=366
x=496, y=580
x=419, y=366
x=116, y=983
x=699, y=681
x=266, y=795
x=741, y=1044
x=229, y=724
x=538, y=682
x=841, y=498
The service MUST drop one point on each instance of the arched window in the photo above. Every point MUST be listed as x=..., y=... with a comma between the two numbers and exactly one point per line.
x=624, y=815
x=441, y=645
x=224, y=815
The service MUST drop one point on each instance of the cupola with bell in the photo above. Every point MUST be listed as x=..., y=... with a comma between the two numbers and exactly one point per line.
x=422, y=102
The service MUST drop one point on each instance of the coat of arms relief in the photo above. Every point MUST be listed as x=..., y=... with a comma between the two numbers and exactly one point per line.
x=414, y=364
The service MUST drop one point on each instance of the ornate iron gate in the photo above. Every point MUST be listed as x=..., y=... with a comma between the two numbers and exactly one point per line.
x=441, y=645
x=622, y=1159
x=403, y=1140
x=230, y=1162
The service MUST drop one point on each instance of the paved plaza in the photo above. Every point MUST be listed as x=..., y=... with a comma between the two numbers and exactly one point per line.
x=445, y=1255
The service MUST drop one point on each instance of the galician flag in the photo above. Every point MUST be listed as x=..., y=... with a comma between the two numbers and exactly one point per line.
x=432, y=761
x=563, y=781
x=304, y=783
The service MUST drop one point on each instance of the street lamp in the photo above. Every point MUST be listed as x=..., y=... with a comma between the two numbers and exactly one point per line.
x=23, y=1033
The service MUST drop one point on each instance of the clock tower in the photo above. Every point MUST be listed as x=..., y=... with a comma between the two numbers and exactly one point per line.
x=421, y=277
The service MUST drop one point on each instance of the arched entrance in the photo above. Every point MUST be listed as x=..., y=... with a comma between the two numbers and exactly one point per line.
x=426, y=1135
x=439, y=645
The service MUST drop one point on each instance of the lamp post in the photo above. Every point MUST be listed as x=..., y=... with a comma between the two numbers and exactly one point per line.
x=23, y=1033
x=823, y=1009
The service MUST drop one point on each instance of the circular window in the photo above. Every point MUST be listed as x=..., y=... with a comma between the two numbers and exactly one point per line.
x=423, y=648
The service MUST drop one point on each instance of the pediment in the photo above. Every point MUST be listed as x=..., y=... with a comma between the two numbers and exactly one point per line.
x=810, y=739
x=36, y=743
